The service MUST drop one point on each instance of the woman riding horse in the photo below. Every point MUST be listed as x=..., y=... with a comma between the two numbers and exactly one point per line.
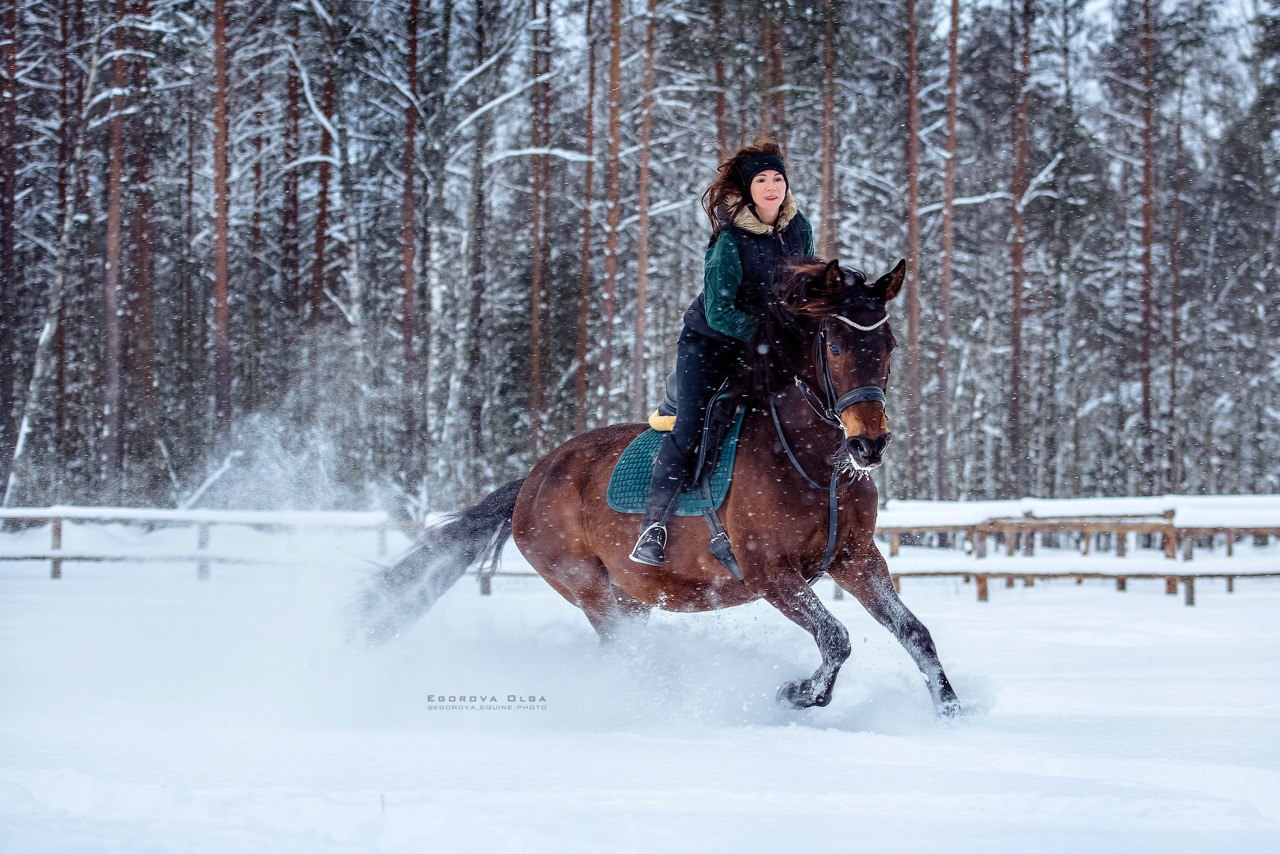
x=755, y=226
x=799, y=503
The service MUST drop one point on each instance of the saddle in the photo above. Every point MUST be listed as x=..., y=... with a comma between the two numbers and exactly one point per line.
x=717, y=449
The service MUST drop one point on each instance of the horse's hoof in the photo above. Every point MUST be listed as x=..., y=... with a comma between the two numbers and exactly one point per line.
x=952, y=709
x=799, y=695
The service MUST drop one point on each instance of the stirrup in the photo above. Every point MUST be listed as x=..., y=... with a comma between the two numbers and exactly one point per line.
x=650, y=547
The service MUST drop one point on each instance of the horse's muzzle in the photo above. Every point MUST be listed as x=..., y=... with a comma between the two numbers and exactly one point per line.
x=868, y=453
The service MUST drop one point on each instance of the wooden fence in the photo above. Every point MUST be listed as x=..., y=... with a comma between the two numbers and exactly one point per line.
x=203, y=521
x=1017, y=535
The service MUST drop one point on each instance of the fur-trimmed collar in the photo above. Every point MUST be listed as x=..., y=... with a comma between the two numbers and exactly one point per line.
x=746, y=220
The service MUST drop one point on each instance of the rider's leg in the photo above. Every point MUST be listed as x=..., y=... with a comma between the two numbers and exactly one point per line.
x=701, y=365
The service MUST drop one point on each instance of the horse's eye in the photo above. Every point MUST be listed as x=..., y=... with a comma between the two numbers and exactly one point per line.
x=836, y=348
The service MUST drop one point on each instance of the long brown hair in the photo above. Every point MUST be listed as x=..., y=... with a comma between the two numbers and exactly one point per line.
x=728, y=182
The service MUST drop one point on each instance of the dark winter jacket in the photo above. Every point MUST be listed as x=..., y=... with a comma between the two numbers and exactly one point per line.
x=740, y=267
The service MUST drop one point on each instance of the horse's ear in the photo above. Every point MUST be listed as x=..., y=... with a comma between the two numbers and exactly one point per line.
x=832, y=278
x=888, y=285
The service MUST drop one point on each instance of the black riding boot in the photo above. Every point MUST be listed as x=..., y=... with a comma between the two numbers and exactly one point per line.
x=670, y=471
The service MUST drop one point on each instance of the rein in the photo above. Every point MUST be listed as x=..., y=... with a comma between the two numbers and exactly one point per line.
x=828, y=411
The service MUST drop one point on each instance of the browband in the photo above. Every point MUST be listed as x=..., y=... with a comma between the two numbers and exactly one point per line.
x=859, y=326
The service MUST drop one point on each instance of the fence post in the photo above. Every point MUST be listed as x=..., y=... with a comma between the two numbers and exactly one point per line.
x=1188, y=545
x=1170, y=537
x=1170, y=585
x=895, y=543
x=55, y=544
x=1122, y=542
x=1122, y=583
x=1189, y=584
x=982, y=588
x=1231, y=584
x=979, y=542
x=202, y=544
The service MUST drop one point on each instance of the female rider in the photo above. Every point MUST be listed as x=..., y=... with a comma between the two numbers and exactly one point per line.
x=755, y=225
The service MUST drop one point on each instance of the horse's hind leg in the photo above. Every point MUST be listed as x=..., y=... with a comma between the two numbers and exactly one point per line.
x=867, y=577
x=793, y=597
x=586, y=583
x=613, y=612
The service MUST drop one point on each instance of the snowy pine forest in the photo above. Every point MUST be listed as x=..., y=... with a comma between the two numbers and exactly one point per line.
x=337, y=254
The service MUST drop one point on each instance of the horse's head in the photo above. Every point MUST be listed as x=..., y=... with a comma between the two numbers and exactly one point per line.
x=841, y=321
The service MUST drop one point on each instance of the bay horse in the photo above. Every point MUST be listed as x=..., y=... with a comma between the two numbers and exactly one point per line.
x=815, y=412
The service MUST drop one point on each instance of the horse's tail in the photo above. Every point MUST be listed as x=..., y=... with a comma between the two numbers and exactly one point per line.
x=402, y=592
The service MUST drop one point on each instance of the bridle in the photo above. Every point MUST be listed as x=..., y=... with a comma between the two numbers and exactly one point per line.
x=827, y=407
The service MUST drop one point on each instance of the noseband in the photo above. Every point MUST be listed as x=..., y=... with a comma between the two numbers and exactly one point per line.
x=829, y=409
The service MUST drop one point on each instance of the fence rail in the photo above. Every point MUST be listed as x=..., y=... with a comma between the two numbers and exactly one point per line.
x=1017, y=535
x=203, y=521
x=982, y=580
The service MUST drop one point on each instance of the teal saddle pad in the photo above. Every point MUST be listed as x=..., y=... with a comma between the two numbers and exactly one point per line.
x=629, y=485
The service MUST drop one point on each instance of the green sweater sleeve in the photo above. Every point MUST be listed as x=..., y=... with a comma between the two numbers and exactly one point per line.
x=808, y=237
x=722, y=277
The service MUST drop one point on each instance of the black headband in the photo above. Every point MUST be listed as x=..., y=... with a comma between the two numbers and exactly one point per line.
x=757, y=163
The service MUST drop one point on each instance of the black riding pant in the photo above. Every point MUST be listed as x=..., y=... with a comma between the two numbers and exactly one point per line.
x=702, y=364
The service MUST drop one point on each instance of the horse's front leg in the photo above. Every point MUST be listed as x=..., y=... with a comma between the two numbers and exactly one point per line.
x=866, y=576
x=788, y=592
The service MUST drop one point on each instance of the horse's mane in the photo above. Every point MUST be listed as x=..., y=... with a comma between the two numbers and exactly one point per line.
x=801, y=297
x=801, y=289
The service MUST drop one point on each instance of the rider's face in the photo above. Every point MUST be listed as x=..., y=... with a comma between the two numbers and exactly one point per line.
x=768, y=189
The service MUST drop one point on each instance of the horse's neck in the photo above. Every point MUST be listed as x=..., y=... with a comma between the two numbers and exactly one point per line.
x=810, y=439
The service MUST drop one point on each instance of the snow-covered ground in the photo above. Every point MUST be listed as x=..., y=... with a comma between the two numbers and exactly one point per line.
x=143, y=710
